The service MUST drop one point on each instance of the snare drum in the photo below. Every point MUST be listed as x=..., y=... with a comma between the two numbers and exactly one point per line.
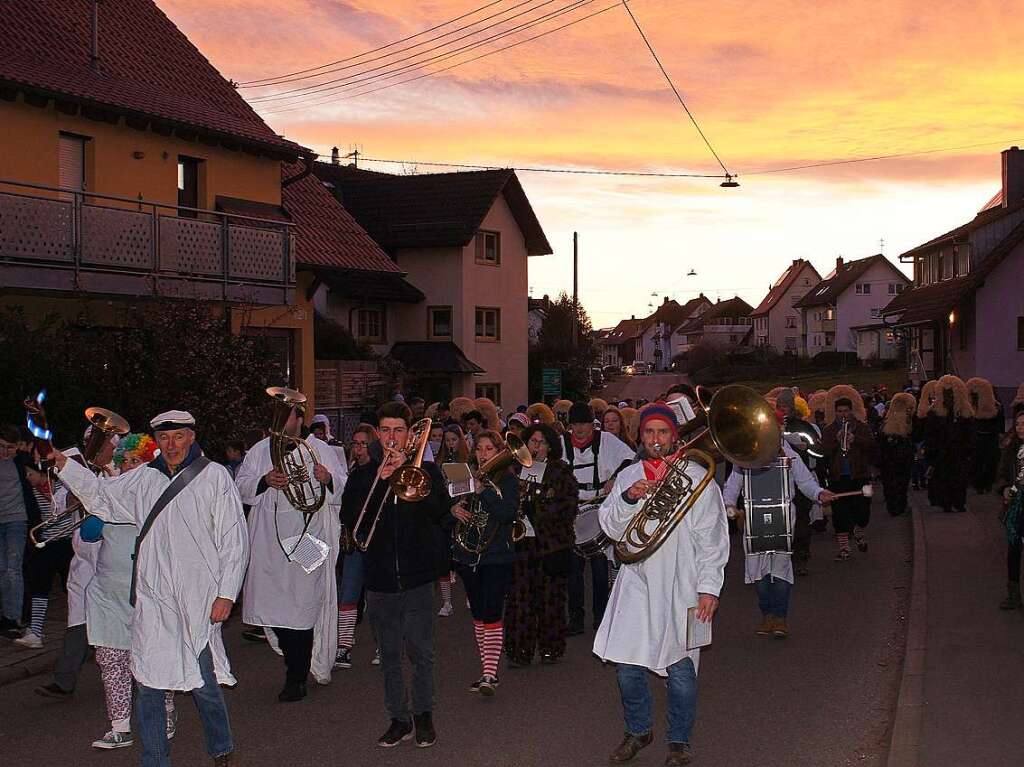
x=766, y=492
x=590, y=538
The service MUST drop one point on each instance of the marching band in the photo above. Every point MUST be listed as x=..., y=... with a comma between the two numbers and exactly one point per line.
x=517, y=515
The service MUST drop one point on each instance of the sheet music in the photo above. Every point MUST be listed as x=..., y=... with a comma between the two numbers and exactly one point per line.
x=698, y=633
x=308, y=553
x=460, y=479
x=534, y=474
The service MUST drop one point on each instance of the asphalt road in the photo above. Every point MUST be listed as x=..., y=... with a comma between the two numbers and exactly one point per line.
x=635, y=387
x=823, y=697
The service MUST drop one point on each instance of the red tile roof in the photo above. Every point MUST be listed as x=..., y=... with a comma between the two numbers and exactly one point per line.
x=830, y=288
x=327, y=234
x=626, y=330
x=148, y=69
x=784, y=283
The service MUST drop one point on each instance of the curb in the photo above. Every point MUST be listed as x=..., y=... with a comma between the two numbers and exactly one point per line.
x=905, y=746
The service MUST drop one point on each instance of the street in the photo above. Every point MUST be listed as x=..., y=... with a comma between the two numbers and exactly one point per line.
x=822, y=697
x=636, y=387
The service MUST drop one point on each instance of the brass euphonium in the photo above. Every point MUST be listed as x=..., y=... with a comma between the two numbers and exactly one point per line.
x=303, y=491
x=105, y=424
x=409, y=482
x=739, y=425
x=472, y=537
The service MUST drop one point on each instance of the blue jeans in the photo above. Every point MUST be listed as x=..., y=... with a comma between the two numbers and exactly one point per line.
x=350, y=585
x=151, y=718
x=773, y=596
x=682, y=700
x=12, y=580
x=577, y=589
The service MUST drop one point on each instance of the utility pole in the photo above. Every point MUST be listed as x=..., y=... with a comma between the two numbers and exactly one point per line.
x=575, y=287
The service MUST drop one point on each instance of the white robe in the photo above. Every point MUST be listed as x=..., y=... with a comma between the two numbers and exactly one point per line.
x=780, y=564
x=195, y=552
x=645, y=621
x=278, y=592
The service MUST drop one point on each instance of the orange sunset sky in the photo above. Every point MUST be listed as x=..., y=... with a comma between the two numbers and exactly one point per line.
x=773, y=84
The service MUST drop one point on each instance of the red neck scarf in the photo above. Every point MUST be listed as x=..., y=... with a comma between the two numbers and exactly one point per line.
x=581, y=444
x=655, y=469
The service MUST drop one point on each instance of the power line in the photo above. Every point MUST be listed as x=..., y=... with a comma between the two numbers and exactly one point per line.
x=893, y=156
x=312, y=88
x=298, y=95
x=672, y=85
x=265, y=80
x=535, y=169
x=452, y=66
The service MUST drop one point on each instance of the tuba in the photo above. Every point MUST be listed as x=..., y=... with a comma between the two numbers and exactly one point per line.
x=409, y=483
x=104, y=424
x=473, y=537
x=303, y=491
x=739, y=425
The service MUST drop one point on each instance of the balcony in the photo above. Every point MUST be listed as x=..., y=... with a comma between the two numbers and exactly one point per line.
x=70, y=241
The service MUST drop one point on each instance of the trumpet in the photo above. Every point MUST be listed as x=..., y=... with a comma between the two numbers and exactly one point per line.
x=738, y=424
x=845, y=436
x=409, y=483
x=104, y=424
x=303, y=491
x=473, y=537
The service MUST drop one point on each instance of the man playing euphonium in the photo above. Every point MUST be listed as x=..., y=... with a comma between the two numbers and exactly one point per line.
x=644, y=627
x=300, y=606
x=190, y=560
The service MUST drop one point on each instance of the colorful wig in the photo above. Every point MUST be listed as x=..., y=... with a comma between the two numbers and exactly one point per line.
x=141, y=445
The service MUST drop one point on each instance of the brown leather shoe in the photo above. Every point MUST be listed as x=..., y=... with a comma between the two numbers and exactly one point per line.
x=225, y=760
x=678, y=753
x=629, y=748
x=766, y=627
x=780, y=629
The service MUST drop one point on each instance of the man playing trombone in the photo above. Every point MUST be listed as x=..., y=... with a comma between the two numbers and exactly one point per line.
x=290, y=584
x=402, y=559
x=645, y=625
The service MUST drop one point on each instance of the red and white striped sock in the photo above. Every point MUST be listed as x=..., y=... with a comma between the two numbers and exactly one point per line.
x=494, y=635
x=478, y=630
x=843, y=539
x=446, y=588
x=347, y=615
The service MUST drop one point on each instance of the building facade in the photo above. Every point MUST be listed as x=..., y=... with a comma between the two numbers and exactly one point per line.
x=776, y=320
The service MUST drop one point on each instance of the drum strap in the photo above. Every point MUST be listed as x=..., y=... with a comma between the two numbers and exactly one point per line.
x=570, y=454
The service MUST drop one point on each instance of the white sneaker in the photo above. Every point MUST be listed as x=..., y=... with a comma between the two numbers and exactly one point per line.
x=446, y=611
x=114, y=740
x=376, y=658
x=29, y=639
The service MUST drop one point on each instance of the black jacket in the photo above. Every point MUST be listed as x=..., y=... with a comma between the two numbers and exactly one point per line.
x=501, y=513
x=404, y=552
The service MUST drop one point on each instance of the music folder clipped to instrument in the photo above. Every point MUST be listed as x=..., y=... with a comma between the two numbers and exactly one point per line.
x=459, y=478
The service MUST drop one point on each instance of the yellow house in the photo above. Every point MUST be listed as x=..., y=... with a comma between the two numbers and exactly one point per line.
x=129, y=167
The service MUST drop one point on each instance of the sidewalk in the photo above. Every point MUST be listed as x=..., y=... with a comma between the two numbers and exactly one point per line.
x=972, y=696
x=18, y=662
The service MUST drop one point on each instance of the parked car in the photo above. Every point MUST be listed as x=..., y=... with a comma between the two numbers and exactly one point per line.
x=640, y=368
x=610, y=371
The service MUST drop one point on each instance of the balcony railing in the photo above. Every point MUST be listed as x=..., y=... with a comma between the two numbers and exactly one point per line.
x=53, y=238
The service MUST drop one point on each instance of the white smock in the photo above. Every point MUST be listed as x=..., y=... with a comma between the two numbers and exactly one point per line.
x=645, y=621
x=280, y=593
x=195, y=552
x=778, y=564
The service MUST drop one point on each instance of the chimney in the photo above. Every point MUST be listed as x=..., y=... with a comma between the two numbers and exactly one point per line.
x=632, y=316
x=335, y=156
x=666, y=300
x=94, y=48
x=1013, y=176
x=796, y=261
x=839, y=264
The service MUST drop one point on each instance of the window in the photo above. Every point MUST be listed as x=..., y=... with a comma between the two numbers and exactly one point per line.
x=439, y=322
x=899, y=287
x=892, y=288
x=71, y=163
x=732, y=339
x=963, y=261
x=876, y=314
x=790, y=322
x=1020, y=334
x=490, y=390
x=370, y=325
x=863, y=289
x=488, y=324
x=488, y=248
x=188, y=185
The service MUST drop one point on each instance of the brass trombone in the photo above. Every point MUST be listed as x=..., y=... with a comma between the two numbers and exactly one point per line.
x=739, y=425
x=409, y=483
x=104, y=424
x=472, y=537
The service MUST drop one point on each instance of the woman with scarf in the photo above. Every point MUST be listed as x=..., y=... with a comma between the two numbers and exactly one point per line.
x=535, y=607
